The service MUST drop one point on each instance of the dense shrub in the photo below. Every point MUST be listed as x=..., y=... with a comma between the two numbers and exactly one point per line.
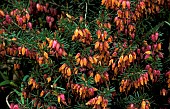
x=97, y=54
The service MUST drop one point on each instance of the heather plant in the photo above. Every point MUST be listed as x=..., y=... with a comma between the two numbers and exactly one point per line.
x=99, y=54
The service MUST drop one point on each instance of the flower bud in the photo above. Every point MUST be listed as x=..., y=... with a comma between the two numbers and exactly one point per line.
x=8, y=19
x=154, y=46
x=148, y=48
x=54, y=44
x=152, y=37
x=160, y=55
x=29, y=24
x=138, y=51
x=38, y=6
x=48, y=19
x=128, y=4
x=2, y=13
x=147, y=67
x=156, y=36
x=147, y=56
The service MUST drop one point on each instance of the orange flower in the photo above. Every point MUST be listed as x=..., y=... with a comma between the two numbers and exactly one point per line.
x=59, y=99
x=42, y=93
x=110, y=62
x=121, y=59
x=2, y=31
x=95, y=60
x=24, y=19
x=91, y=101
x=24, y=26
x=40, y=60
x=34, y=85
x=151, y=77
x=27, y=16
x=109, y=25
x=81, y=62
x=15, y=66
x=122, y=82
x=68, y=72
x=121, y=89
x=134, y=55
x=118, y=3
x=106, y=45
x=110, y=39
x=145, y=42
x=87, y=31
x=123, y=4
x=102, y=37
x=130, y=58
x=97, y=78
x=98, y=34
x=135, y=84
x=134, y=17
x=159, y=46
x=84, y=61
x=30, y=82
x=105, y=34
x=73, y=37
x=127, y=14
x=103, y=2
x=115, y=71
x=62, y=67
x=159, y=1
x=148, y=52
x=113, y=66
x=80, y=91
x=164, y=92
x=46, y=55
x=97, y=45
x=157, y=8
x=104, y=103
x=116, y=49
x=90, y=59
x=2, y=13
x=143, y=104
x=77, y=61
x=129, y=86
x=18, y=66
x=145, y=80
x=48, y=39
x=99, y=100
x=101, y=46
x=24, y=94
x=75, y=70
x=119, y=13
x=142, y=5
x=77, y=55
x=23, y=51
x=150, y=70
x=91, y=73
x=137, y=14
x=38, y=6
x=125, y=58
x=80, y=32
x=48, y=79
x=50, y=43
x=141, y=80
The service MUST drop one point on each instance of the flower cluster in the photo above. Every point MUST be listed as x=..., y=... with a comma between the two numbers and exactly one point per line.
x=98, y=102
x=83, y=35
x=83, y=61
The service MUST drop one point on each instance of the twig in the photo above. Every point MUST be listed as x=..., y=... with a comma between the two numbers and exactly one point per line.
x=8, y=97
x=53, y=3
x=85, y=14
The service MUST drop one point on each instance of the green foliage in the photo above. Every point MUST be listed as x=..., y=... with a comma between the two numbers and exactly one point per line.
x=84, y=54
